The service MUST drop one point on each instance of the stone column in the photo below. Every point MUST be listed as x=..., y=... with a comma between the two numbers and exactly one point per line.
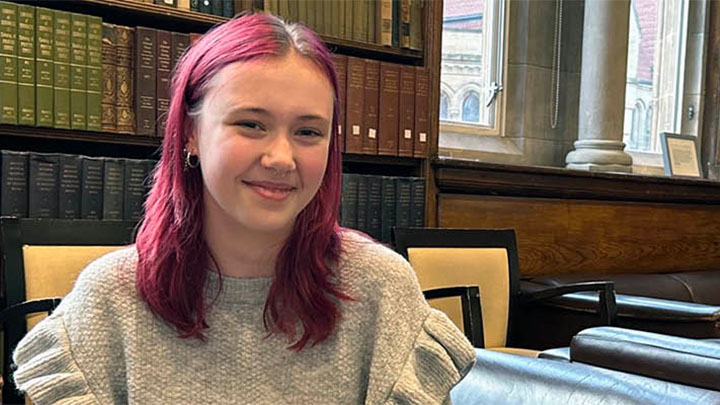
x=602, y=89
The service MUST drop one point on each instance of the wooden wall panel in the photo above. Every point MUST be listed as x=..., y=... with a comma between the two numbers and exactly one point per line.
x=581, y=236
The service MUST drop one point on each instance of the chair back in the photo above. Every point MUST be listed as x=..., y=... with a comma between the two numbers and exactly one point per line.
x=451, y=257
x=41, y=258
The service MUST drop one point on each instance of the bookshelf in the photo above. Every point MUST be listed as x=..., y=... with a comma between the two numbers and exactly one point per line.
x=160, y=17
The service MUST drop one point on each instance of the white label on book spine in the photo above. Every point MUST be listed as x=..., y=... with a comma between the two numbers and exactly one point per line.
x=423, y=137
x=372, y=133
x=356, y=129
x=408, y=134
x=339, y=129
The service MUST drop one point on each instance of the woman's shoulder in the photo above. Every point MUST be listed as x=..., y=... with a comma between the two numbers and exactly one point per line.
x=111, y=272
x=370, y=265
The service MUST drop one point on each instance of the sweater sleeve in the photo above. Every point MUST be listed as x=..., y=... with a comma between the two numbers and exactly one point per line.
x=46, y=370
x=440, y=358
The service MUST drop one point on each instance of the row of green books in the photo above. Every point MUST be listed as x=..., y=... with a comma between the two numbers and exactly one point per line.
x=375, y=204
x=42, y=185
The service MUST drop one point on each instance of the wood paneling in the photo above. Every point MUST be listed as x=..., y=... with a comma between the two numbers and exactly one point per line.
x=578, y=236
x=527, y=181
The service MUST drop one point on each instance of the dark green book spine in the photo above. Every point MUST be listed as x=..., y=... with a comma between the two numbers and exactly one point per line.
x=194, y=5
x=8, y=63
x=228, y=8
x=44, y=66
x=134, y=190
x=43, y=186
x=417, y=204
x=396, y=23
x=26, y=65
x=14, y=184
x=78, y=71
x=373, y=217
x=61, y=69
x=403, y=190
x=94, y=73
x=113, y=183
x=362, y=203
x=204, y=6
x=216, y=7
x=70, y=187
x=91, y=201
x=351, y=8
x=388, y=208
x=348, y=205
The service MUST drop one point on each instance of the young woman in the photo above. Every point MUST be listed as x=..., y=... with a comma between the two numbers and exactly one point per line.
x=241, y=287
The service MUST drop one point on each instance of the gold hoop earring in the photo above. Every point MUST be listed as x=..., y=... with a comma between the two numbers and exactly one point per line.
x=191, y=161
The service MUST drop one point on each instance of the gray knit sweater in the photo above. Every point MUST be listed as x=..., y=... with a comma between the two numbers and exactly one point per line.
x=103, y=345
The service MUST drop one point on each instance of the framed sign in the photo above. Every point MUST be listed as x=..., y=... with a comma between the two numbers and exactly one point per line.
x=680, y=155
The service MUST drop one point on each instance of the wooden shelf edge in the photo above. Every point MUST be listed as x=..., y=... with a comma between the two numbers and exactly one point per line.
x=465, y=177
x=382, y=160
x=75, y=135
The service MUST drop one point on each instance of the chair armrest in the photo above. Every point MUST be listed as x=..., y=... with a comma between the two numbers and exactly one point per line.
x=29, y=307
x=471, y=309
x=606, y=290
x=670, y=358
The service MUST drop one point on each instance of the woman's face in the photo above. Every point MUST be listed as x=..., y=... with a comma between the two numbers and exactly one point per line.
x=262, y=138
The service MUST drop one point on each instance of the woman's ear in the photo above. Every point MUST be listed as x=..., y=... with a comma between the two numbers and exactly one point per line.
x=192, y=143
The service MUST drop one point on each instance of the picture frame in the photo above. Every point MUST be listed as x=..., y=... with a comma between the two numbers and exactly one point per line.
x=680, y=155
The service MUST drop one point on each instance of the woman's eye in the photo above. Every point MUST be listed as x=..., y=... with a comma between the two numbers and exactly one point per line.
x=249, y=125
x=309, y=132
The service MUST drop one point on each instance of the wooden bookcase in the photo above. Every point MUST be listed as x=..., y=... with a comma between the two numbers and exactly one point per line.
x=133, y=13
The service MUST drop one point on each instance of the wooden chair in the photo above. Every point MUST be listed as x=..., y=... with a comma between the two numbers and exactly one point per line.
x=41, y=258
x=487, y=259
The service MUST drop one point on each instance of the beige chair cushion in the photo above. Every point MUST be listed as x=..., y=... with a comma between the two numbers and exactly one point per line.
x=50, y=271
x=486, y=268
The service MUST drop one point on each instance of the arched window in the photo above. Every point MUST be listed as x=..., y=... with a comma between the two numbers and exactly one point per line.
x=443, y=106
x=471, y=108
x=647, y=135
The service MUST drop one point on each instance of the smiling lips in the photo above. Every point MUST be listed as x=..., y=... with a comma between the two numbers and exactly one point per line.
x=269, y=190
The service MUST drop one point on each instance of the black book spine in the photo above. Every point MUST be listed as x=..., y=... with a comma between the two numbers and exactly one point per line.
x=417, y=205
x=403, y=195
x=373, y=215
x=135, y=174
x=204, y=6
x=113, y=183
x=388, y=208
x=150, y=164
x=217, y=7
x=228, y=8
x=43, y=191
x=348, y=204
x=194, y=5
x=70, y=186
x=14, y=185
x=91, y=201
x=362, y=203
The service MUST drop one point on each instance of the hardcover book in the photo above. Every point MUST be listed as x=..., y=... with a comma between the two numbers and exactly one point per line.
x=91, y=200
x=113, y=183
x=134, y=190
x=406, y=110
x=348, y=205
x=145, y=78
x=373, y=213
x=61, y=66
x=14, y=184
x=340, y=62
x=389, y=102
x=370, y=107
x=388, y=208
x=422, y=112
x=44, y=66
x=70, y=186
x=26, y=65
x=8, y=63
x=109, y=78
x=164, y=66
x=94, y=73
x=43, y=183
x=125, y=79
x=355, y=102
x=78, y=71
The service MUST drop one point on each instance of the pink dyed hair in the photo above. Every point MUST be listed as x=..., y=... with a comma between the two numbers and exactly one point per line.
x=173, y=255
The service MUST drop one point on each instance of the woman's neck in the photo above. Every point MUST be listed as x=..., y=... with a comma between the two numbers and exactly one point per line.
x=239, y=252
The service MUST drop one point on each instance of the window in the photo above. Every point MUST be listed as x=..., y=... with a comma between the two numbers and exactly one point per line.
x=471, y=108
x=472, y=58
x=658, y=58
x=443, y=106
